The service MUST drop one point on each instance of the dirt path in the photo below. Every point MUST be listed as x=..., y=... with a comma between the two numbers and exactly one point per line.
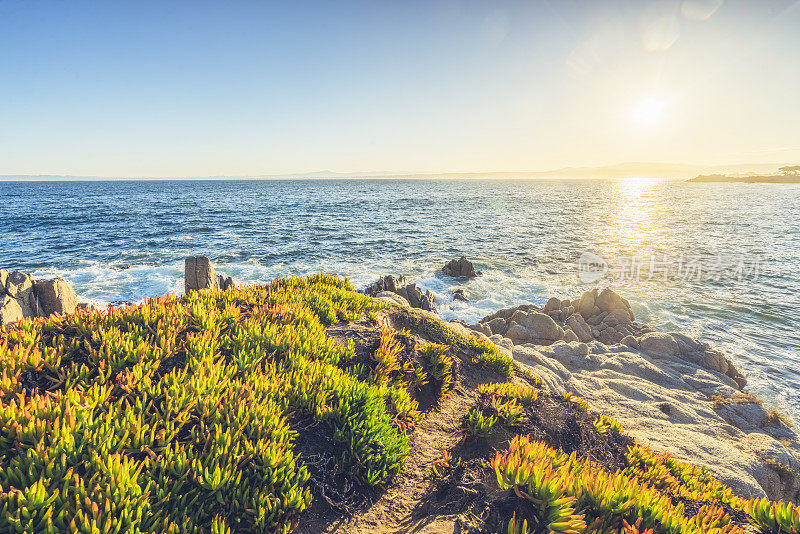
x=399, y=508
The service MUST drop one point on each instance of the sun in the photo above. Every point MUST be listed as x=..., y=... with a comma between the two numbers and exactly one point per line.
x=649, y=112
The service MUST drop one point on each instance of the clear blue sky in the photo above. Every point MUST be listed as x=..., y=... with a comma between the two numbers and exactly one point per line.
x=198, y=88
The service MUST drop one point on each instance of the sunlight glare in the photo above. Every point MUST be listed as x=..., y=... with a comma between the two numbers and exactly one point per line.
x=649, y=111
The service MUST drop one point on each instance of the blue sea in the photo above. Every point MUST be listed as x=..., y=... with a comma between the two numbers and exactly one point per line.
x=719, y=261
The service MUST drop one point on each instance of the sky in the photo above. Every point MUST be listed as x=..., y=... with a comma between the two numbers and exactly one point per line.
x=193, y=88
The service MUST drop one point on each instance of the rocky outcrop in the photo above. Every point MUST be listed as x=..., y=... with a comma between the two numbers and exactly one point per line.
x=22, y=296
x=199, y=274
x=55, y=296
x=460, y=268
x=411, y=294
x=460, y=294
x=670, y=391
x=677, y=404
x=605, y=317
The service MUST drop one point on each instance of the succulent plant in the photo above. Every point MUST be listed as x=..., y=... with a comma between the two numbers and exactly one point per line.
x=171, y=416
x=604, y=423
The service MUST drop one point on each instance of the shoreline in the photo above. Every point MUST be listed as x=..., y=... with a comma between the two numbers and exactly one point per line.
x=670, y=391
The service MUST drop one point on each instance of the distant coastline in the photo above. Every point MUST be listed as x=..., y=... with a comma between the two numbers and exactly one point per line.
x=790, y=174
x=774, y=179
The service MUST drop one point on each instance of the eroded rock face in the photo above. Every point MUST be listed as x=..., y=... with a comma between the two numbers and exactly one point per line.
x=10, y=311
x=20, y=286
x=671, y=391
x=460, y=268
x=56, y=296
x=22, y=296
x=199, y=274
x=672, y=404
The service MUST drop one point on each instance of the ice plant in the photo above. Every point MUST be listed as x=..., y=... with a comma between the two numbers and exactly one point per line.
x=171, y=416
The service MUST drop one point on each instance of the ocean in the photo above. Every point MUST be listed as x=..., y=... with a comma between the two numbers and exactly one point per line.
x=717, y=261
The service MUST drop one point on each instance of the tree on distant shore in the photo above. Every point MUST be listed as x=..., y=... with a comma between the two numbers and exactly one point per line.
x=790, y=170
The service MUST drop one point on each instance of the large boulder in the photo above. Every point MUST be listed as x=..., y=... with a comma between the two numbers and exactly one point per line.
x=460, y=268
x=586, y=304
x=3, y=279
x=542, y=326
x=199, y=274
x=10, y=312
x=55, y=296
x=609, y=301
x=19, y=285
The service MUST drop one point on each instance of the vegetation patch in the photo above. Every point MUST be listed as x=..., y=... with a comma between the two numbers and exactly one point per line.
x=302, y=405
x=171, y=416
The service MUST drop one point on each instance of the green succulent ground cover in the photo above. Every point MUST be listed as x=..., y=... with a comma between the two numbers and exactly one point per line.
x=171, y=416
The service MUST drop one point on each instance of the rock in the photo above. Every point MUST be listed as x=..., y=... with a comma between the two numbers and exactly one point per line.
x=10, y=311
x=578, y=325
x=630, y=341
x=610, y=336
x=460, y=268
x=387, y=283
x=199, y=274
x=542, y=326
x=658, y=344
x=609, y=300
x=20, y=286
x=427, y=302
x=570, y=337
x=392, y=298
x=531, y=356
x=585, y=304
x=779, y=472
x=518, y=333
x=687, y=343
x=518, y=316
x=552, y=305
x=502, y=342
x=411, y=294
x=417, y=298
x=225, y=283
x=482, y=328
x=55, y=296
x=3, y=279
x=459, y=294
x=620, y=316
x=497, y=326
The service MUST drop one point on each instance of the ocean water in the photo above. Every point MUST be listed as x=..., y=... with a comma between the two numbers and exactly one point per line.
x=718, y=261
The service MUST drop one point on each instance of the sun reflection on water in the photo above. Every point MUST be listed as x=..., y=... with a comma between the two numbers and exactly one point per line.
x=632, y=224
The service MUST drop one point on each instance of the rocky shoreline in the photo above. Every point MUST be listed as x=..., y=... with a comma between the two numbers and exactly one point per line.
x=670, y=391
